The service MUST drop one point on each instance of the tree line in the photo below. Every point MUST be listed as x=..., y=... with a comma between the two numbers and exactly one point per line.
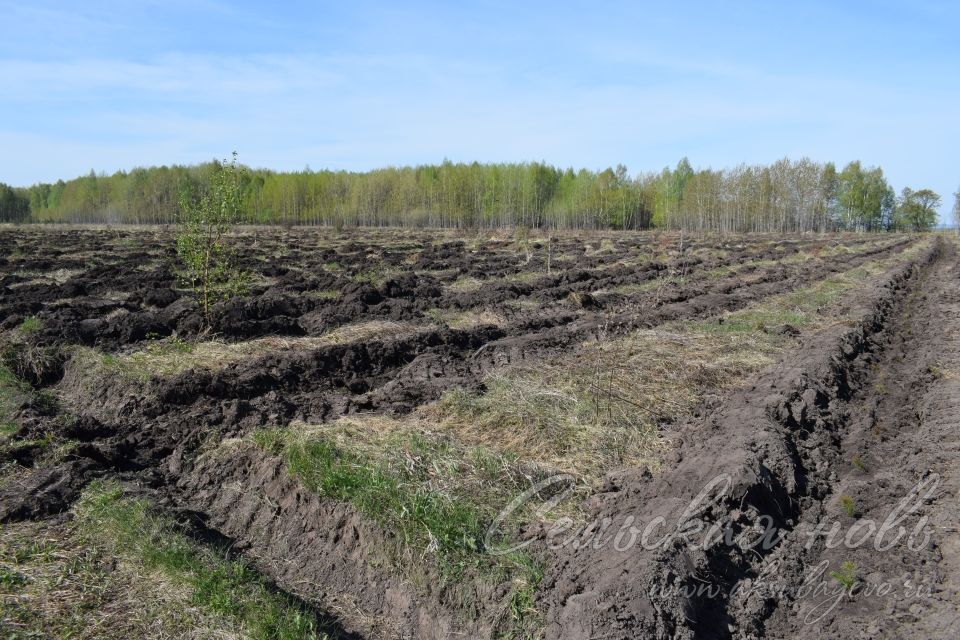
x=785, y=196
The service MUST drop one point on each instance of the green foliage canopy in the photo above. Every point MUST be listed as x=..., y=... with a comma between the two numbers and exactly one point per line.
x=785, y=196
x=206, y=216
x=917, y=210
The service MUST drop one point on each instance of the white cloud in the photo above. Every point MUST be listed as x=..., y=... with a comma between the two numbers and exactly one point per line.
x=62, y=117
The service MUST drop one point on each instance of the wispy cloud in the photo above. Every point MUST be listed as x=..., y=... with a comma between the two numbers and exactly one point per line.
x=358, y=87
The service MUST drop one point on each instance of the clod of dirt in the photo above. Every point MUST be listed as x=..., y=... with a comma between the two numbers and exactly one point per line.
x=43, y=492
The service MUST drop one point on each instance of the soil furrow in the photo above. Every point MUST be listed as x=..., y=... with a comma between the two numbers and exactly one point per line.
x=771, y=455
x=784, y=445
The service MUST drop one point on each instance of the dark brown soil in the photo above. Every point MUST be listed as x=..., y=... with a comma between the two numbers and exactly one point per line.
x=786, y=442
x=786, y=446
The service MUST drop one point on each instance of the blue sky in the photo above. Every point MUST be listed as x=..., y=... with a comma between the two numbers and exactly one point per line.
x=358, y=85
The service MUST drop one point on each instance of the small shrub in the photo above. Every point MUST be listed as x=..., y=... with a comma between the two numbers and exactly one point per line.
x=848, y=505
x=846, y=575
x=204, y=222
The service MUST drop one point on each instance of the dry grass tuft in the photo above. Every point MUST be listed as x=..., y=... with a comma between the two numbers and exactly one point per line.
x=605, y=246
x=465, y=284
x=55, y=277
x=169, y=357
x=27, y=358
x=468, y=319
x=528, y=277
x=524, y=304
x=604, y=407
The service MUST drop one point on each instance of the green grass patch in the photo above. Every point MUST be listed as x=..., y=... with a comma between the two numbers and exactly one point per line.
x=9, y=578
x=400, y=496
x=375, y=276
x=436, y=495
x=425, y=518
x=7, y=429
x=223, y=587
x=30, y=324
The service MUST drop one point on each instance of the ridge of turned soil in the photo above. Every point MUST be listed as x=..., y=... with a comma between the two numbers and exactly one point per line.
x=784, y=445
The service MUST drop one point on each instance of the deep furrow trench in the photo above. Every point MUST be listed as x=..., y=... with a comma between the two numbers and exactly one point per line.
x=782, y=444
